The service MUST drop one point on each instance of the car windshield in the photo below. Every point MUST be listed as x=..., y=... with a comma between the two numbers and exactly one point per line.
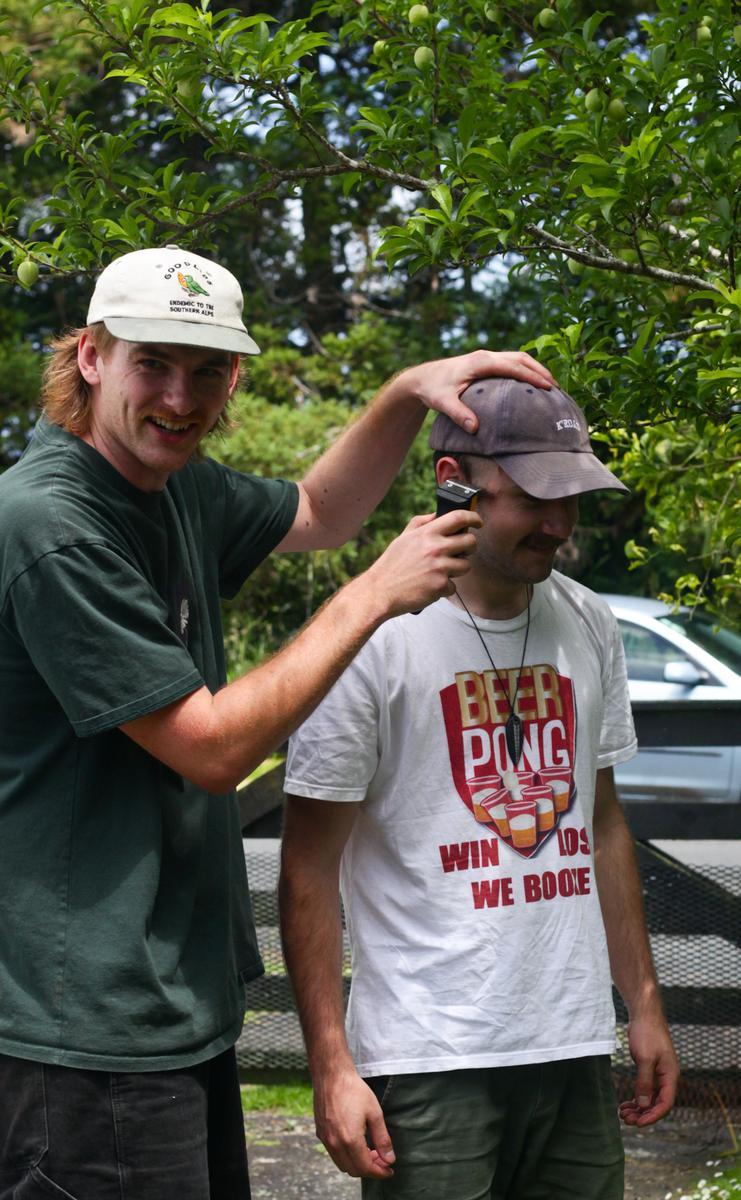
x=719, y=640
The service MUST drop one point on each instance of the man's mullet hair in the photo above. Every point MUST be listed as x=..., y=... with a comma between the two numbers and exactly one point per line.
x=66, y=395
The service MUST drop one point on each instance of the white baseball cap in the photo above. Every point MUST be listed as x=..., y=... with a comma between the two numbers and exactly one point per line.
x=174, y=296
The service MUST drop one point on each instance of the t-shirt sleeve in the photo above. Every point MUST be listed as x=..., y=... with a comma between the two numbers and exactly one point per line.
x=97, y=633
x=257, y=514
x=334, y=754
x=618, y=737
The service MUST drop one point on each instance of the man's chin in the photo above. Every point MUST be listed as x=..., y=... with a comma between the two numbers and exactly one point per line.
x=539, y=565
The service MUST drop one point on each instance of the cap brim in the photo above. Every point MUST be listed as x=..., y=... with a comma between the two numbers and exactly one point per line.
x=554, y=473
x=182, y=333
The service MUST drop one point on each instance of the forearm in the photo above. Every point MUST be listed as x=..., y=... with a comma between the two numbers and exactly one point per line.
x=216, y=739
x=621, y=900
x=352, y=477
x=311, y=930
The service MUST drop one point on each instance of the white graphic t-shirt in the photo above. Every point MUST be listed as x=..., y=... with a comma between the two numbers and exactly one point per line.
x=468, y=880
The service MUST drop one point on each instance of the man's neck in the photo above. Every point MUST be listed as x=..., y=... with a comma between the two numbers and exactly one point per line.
x=492, y=597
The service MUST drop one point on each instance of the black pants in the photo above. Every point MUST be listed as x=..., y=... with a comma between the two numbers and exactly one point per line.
x=91, y=1135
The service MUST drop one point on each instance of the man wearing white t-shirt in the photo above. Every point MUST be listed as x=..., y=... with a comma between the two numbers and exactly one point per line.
x=457, y=784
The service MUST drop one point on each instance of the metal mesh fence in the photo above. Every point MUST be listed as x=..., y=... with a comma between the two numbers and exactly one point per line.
x=695, y=923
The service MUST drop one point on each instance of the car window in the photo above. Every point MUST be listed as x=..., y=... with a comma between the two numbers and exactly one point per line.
x=719, y=640
x=646, y=654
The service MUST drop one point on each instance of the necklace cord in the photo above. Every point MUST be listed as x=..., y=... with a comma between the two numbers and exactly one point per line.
x=510, y=702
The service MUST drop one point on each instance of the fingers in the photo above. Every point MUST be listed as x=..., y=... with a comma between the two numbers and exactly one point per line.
x=459, y=412
x=644, y=1085
x=439, y=385
x=343, y=1115
x=520, y=365
x=418, y=521
x=655, y=1088
x=417, y=567
x=633, y=1113
x=458, y=520
x=378, y=1135
x=358, y=1160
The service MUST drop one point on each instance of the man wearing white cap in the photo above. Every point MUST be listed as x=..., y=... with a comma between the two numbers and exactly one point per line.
x=457, y=783
x=126, y=933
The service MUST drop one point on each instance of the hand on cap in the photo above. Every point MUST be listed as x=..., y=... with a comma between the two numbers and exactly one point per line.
x=440, y=384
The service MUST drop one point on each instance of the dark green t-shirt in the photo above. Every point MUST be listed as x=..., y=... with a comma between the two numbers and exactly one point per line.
x=125, y=923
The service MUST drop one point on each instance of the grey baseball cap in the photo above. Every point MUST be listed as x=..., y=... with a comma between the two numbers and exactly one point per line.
x=173, y=296
x=538, y=437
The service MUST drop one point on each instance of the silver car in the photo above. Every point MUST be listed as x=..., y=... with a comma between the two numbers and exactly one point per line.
x=679, y=656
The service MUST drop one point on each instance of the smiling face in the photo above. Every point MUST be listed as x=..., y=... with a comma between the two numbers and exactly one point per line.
x=520, y=534
x=151, y=404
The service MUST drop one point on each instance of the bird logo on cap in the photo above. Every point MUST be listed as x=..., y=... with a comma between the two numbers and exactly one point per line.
x=188, y=284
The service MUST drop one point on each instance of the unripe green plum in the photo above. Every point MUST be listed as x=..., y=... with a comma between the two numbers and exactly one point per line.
x=706, y=20
x=423, y=57
x=491, y=13
x=419, y=14
x=703, y=34
x=547, y=18
x=188, y=89
x=616, y=109
x=593, y=100
x=574, y=266
x=379, y=48
x=27, y=273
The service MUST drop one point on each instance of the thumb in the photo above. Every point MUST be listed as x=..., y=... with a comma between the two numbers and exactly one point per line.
x=644, y=1087
x=461, y=414
x=379, y=1138
x=418, y=521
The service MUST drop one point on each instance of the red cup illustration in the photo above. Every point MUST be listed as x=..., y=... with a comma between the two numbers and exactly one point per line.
x=483, y=786
x=481, y=791
x=522, y=816
x=524, y=779
x=493, y=807
x=559, y=781
x=498, y=811
x=545, y=812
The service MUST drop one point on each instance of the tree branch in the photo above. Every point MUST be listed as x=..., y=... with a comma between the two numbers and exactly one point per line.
x=608, y=263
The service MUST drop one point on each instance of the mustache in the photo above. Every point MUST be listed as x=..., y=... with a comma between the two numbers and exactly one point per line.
x=543, y=542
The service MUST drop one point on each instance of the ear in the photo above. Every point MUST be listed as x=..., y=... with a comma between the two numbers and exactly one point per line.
x=447, y=468
x=234, y=373
x=87, y=359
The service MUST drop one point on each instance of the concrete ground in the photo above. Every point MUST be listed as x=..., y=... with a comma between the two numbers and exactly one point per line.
x=287, y=1162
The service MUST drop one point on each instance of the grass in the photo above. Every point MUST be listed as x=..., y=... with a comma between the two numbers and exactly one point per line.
x=290, y=1099
x=715, y=1185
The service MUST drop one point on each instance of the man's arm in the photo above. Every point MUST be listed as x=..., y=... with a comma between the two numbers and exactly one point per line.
x=633, y=972
x=345, y=1108
x=352, y=477
x=216, y=740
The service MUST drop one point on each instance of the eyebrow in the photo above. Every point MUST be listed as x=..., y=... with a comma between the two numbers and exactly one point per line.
x=219, y=358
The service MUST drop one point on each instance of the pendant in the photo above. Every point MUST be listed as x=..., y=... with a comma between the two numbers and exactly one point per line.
x=513, y=737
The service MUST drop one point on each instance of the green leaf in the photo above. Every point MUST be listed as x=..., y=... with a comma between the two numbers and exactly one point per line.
x=176, y=14
x=471, y=199
x=658, y=58
x=591, y=26
x=522, y=140
x=645, y=334
x=726, y=373
x=349, y=181
x=441, y=193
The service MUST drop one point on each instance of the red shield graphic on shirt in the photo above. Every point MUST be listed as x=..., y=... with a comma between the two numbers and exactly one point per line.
x=522, y=803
